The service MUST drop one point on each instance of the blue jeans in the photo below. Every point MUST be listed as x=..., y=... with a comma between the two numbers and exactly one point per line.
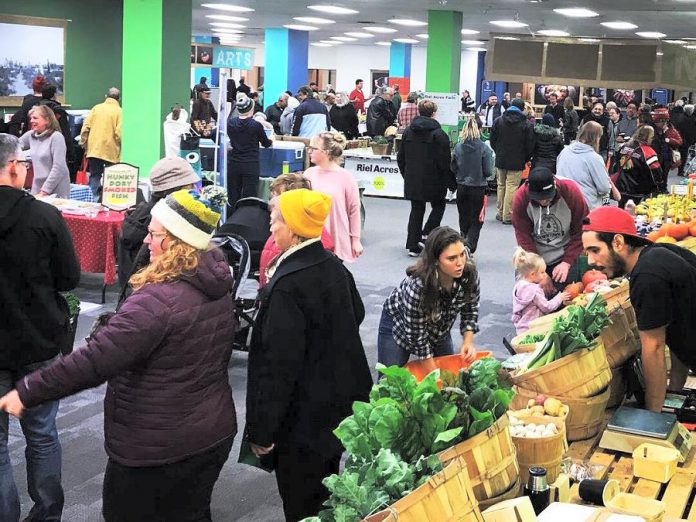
x=96, y=168
x=43, y=457
x=389, y=353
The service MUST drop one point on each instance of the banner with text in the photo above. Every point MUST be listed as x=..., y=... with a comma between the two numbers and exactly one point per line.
x=448, y=106
x=120, y=186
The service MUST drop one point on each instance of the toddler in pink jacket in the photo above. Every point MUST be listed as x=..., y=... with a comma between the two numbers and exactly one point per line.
x=528, y=299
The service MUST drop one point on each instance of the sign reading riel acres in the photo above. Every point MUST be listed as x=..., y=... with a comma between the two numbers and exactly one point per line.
x=120, y=186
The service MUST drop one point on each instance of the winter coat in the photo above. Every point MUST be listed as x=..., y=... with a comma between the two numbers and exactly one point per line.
x=663, y=143
x=512, y=139
x=101, y=131
x=688, y=132
x=558, y=113
x=485, y=109
x=306, y=361
x=424, y=160
x=165, y=354
x=37, y=261
x=571, y=121
x=380, y=115
x=678, y=118
x=245, y=136
x=468, y=104
x=273, y=114
x=640, y=173
x=311, y=118
x=203, y=110
x=547, y=146
x=133, y=232
x=585, y=167
x=19, y=123
x=344, y=118
x=286, y=121
x=603, y=120
x=529, y=302
x=626, y=126
x=472, y=163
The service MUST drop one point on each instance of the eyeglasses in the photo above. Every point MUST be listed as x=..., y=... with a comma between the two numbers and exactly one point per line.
x=311, y=149
x=152, y=235
x=25, y=162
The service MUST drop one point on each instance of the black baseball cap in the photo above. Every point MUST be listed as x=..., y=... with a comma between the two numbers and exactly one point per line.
x=541, y=184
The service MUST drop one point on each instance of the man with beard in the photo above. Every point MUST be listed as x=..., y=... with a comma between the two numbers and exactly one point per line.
x=663, y=293
x=600, y=117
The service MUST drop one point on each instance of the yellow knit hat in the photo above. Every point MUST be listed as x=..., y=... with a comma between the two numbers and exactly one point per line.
x=305, y=211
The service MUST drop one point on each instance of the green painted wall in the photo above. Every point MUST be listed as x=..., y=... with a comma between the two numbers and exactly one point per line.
x=93, y=43
x=444, y=52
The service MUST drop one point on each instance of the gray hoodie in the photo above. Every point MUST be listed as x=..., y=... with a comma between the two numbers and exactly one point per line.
x=583, y=165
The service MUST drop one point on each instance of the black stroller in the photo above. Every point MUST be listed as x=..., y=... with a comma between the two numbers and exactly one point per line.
x=242, y=238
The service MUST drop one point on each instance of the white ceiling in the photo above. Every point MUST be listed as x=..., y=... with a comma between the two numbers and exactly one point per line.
x=676, y=18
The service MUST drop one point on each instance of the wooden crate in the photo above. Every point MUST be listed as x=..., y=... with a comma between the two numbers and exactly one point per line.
x=677, y=493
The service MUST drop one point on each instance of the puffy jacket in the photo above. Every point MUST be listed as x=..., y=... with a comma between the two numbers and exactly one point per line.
x=424, y=160
x=37, y=260
x=380, y=115
x=547, y=146
x=583, y=165
x=571, y=121
x=165, y=354
x=512, y=139
x=640, y=172
x=472, y=163
x=101, y=132
x=311, y=118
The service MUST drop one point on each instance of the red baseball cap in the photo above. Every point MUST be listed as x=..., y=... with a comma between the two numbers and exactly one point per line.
x=612, y=220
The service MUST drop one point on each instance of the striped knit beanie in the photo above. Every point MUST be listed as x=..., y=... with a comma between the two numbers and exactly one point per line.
x=187, y=216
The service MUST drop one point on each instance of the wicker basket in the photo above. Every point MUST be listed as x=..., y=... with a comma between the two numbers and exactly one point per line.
x=581, y=374
x=447, y=496
x=619, y=340
x=630, y=316
x=617, y=388
x=526, y=348
x=585, y=415
x=514, y=492
x=546, y=452
x=379, y=149
x=491, y=460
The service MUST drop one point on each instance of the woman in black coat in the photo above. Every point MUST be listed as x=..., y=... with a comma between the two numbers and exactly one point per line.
x=306, y=362
x=548, y=144
x=424, y=160
x=344, y=117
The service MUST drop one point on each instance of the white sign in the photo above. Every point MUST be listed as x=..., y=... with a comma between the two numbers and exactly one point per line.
x=120, y=186
x=379, y=175
x=448, y=105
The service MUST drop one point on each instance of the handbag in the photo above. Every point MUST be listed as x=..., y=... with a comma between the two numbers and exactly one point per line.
x=82, y=177
x=190, y=141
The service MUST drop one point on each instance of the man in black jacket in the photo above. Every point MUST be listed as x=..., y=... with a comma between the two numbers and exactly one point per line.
x=380, y=113
x=555, y=109
x=19, y=123
x=275, y=111
x=599, y=115
x=424, y=160
x=512, y=139
x=37, y=261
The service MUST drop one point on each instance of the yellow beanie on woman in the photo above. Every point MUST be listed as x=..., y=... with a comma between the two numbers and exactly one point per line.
x=305, y=211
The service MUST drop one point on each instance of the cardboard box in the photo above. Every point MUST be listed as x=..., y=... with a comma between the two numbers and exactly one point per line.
x=560, y=489
x=514, y=510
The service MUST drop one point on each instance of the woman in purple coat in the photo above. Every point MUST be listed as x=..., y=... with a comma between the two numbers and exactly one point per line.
x=169, y=418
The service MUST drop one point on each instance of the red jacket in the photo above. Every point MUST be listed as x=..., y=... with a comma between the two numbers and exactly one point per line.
x=271, y=251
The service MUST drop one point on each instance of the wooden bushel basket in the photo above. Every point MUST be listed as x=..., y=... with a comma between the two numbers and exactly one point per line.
x=546, y=452
x=618, y=339
x=585, y=415
x=446, y=497
x=490, y=458
x=617, y=388
x=581, y=374
x=514, y=492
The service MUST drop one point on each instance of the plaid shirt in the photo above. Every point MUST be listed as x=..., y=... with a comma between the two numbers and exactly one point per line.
x=407, y=112
x=418, y=334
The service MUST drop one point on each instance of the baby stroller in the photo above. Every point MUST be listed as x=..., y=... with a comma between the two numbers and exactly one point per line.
x=250, y=218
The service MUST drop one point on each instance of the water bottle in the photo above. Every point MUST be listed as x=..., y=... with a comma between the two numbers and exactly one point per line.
x=286, y=167
x=537, y=489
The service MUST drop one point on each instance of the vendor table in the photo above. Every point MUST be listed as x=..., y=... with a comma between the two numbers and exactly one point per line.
x=619, y=466
x=81, y=193
x=379, y=175
x=95, y=243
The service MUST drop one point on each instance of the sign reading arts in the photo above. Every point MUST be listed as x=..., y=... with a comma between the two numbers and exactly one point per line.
x=120, y=186
x=233, y=57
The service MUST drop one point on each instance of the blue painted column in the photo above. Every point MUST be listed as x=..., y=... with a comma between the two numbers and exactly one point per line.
x=400, y=60
x=285, y=66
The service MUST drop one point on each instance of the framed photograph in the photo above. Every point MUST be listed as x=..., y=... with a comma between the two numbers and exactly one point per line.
x=542, y=92
x=38, y=49
x=623, y=96
x=378, y=79
x=595, y=94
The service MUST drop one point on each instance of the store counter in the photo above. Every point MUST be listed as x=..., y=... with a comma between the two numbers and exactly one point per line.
x=378, y=174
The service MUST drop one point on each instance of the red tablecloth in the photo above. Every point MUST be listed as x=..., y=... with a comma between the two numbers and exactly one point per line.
x=95, y=242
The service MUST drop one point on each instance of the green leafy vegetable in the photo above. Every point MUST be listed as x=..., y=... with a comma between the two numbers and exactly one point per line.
x=532, y=338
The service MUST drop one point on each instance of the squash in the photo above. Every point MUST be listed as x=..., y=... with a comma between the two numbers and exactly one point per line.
x=692, y=230
x=678, y=231
x=655, y=235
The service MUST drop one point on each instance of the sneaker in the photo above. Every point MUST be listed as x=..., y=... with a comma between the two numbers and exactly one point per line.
x=498, y=217
x=507, y=222
x=415, y=252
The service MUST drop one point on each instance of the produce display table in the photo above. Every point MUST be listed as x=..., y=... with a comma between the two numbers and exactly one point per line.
x=379, y=175
x=619, y=466
x=95, y=243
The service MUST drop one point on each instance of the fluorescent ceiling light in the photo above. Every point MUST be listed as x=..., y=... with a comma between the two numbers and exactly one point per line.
x=298, y=27
x=358, y=34
x=650, y=34
x=473, y=42
x=406, y=40
x=228, y=7
x=423, y=35
x=383, y=30
x=476, y=49
x=408, y=22
x=332, y=9
x=506, y=38
x=314, y=20
x=576, y=12
x=690, y=47
x=383, y=43
x=619, y=25
x=470, y=31
x=508, y=23
x=590, y=40
x=332, y=42
x=343, y=38
x=553, y=32
x=228, y=31
x=319, y=44
x=227, y=18
x=676, y=41
x=227, y=24
x=659, y=53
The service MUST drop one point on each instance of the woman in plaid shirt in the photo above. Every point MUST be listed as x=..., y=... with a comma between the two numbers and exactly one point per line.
x=419, y=313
